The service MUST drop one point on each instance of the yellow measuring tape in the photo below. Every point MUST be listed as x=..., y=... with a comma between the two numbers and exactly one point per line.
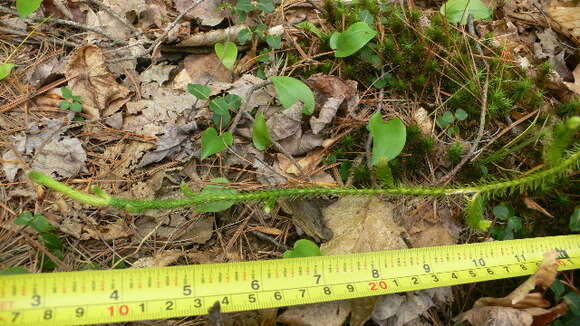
x=91, y=297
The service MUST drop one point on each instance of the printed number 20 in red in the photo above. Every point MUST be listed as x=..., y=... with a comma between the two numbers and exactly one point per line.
x=122, y=310
x=378, y=285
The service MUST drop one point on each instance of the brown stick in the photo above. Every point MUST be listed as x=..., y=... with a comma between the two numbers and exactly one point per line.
x=68, y=23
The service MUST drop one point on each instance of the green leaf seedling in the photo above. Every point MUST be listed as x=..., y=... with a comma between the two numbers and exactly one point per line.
x=303, y=248
x=212, y=143
x=5, y=69
x=457, y=11
x=201, y=92
x=260, y=133
x=353, y=39
x=227, y=52
x=291, y=90
x=388, y=138
x=26, y=7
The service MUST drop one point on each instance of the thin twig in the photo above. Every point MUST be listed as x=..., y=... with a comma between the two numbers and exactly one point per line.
x=170, y=27
x=8, y=30
x=68, y=23
x=244, y=107
x=113, y=14
x=270, y=239
x=504, y=131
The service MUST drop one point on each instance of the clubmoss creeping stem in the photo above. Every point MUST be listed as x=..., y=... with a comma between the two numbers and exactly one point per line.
x=532, y=181
x=102, y=199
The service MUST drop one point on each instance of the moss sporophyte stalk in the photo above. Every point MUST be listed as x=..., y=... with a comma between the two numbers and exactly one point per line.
x=530, y=182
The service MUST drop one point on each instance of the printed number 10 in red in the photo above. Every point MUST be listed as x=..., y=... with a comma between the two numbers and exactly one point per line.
x=378, y=285
x=122, y=310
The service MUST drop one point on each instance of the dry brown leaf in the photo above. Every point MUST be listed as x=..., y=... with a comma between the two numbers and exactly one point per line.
x=567, y=21
x=285, y=123
x=159, y=259
x=208, y=12
x=174, y=143
x=361, y=224
x=519, y=307
x=53, y=154
x=399, y=309
x=327, y=86
x=496, y=316
x=327, y=113
x=175, y=226
x=100, y=93
x=157, y=73
x=161, y=106
x=327, y=314
x=575, y=86
x=307, y=163
x=425, y=124
x=306, y=216
x=328, y=91
x=112, y=231
x=531, y=204
x=267, y=230
x=262, y=96
x=300, y=144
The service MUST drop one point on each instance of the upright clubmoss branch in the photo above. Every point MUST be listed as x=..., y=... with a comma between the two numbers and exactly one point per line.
x=532, y=181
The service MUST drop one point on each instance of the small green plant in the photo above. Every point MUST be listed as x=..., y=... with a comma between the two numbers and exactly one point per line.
x=572, y=299
x=512, y=225
x=227, y=52
x=448, y=118
x=388, y=138
x=201, y=92
x=352, y=39
x=40, y=224
x=70, y=102
x=306, y=25
x=455, y=153
x=290, y=90
x=212, y=143
x=388, y=141
x=457, y=11
x=5, y=69
x=221, y=108
x=260, y=133
x=26, y=7
x=303, y=248
x=243, y=7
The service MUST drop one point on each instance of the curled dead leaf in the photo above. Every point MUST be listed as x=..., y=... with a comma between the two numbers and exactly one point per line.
x=90, y=79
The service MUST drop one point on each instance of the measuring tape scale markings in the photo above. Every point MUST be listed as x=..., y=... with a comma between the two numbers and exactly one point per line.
x=155, y=293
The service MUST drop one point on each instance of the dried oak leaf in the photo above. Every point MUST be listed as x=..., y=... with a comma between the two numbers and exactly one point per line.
x=90, y=79
x=159, y=259
x=208, y=12
x=520, y=307
x=174, y=143
x=328, y=314
x=205, y=69
x=361, y=224
x=53, y=154
x=567, y=21
x=331, y=93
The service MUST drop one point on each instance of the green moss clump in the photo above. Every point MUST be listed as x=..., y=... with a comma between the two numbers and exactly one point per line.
x=455, y=153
